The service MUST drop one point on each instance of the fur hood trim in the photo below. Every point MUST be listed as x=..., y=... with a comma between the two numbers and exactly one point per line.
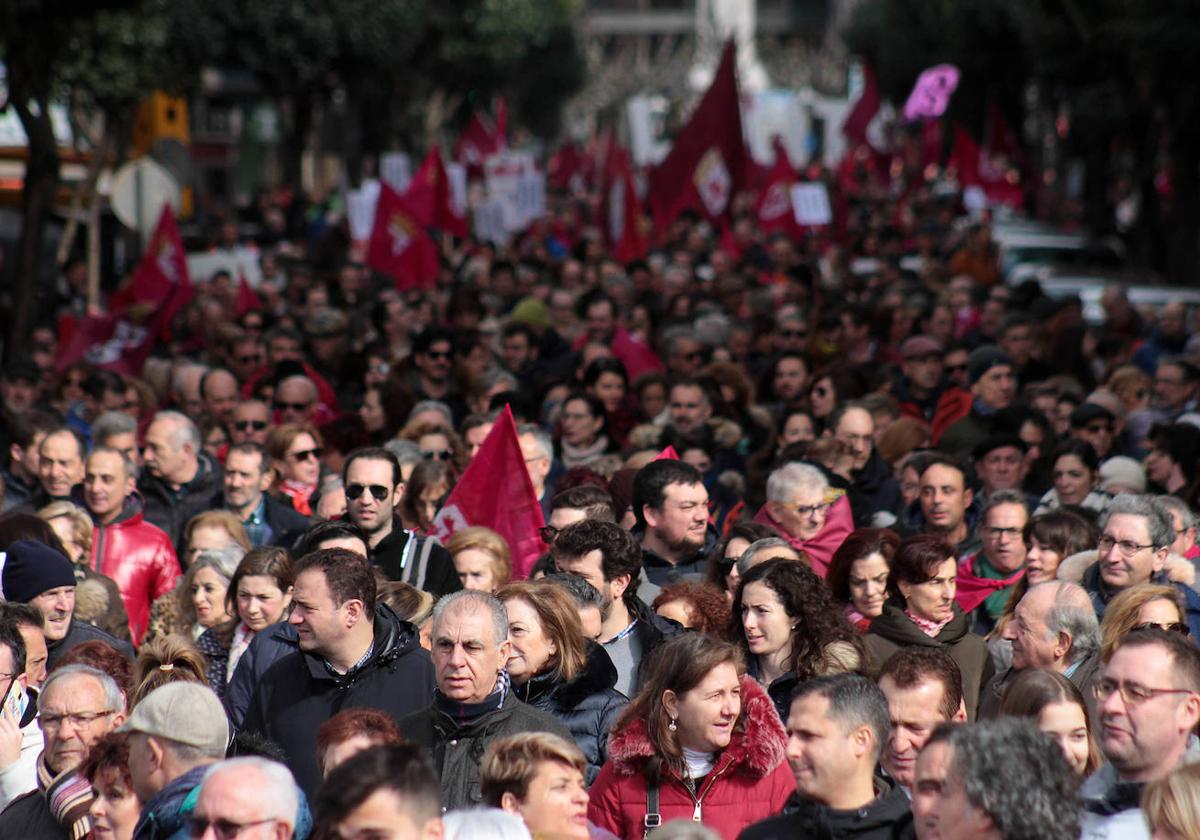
x=1179, y=569
x=757, y=747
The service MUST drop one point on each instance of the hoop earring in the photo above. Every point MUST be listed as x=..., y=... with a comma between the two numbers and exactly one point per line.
x=672, y=725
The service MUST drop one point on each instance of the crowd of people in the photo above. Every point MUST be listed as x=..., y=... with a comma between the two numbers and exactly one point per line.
x=845, y=537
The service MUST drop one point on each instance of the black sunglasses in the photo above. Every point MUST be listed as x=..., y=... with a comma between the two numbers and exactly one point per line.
x=438, y=354
x=247, y=425
x=305, y=454
x=1175, y=627
x=378, y=491
x=440, y=455
x=294, y=406
x=956, y=368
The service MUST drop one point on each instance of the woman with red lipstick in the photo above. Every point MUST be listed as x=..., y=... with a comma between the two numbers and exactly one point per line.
x=701, y=741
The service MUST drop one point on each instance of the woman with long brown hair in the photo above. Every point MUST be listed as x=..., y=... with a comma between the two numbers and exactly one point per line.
x=700, y=741
x=1057, y=709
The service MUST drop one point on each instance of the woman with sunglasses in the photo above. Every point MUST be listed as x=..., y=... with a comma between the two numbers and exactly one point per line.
x=295, y=449
x=1144, y=605
x=722, y=570
x=437, y=443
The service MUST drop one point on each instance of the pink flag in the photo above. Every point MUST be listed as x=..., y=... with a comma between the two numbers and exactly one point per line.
x=496, y=492
x=668, y=454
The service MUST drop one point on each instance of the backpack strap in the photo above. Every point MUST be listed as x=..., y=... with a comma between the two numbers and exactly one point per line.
x=653, y=819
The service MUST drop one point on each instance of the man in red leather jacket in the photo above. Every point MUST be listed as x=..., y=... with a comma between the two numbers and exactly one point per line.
x=137, y=555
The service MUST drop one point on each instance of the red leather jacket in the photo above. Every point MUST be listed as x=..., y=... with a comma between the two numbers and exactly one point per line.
x=140, y=558
x=750, y=780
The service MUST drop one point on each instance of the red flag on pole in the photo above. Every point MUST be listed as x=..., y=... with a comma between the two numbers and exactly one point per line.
x=622, y=211
x=864, y=109
x=161, y=282
x=479, y=141
x=399, y=245
x=496, y=492
x=429, y=197
x=708, y=163
x=774, y=208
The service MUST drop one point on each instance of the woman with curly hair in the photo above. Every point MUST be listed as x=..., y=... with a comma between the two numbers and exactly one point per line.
x=791, y=629
x=695, y=605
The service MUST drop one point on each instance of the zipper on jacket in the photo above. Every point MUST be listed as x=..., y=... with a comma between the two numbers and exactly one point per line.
x=698, y=800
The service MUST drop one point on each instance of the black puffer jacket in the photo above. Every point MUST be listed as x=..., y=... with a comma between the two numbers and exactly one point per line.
x=588, y=704
x=298, y=693
x=170, y=509
x=888, y=817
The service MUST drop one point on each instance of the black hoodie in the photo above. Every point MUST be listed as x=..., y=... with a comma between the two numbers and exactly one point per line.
x=887, y=817
x=298, y=693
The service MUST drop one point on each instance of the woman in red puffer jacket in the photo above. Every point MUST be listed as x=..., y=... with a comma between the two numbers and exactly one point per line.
x=702, y=738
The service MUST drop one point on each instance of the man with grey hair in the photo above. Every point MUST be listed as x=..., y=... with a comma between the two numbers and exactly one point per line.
x=1136, y=534
x=1053, y=628
x=538, y=451
x=836, y=728
x=137, y=555
x=175, y=733
x=768, y=548
x=997, y=568
x=474, y=703
x=800, y=508
x=118, y=430
x=78, y=706
x=683, y=351
x=352, y=652
x=998, y=779
x=180, y=478
x=1183, y=522
x=256, y=795
x=185, y=388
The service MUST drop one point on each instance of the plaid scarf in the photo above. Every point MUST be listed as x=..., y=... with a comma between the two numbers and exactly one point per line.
x=69, y=796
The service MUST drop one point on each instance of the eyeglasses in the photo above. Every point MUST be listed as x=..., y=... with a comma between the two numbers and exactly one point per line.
x=1128, y=548
x=956, y=368
x=548, y=533
x=247, y=425
x=437, y=355
x=293, y=406
x=1132, y=693
x=439, y=455
x=378, y=491
x=793, y=333
x=51, y=722
x=305, y=454
x=1174, y=627
x=809, y=510
x=222, y=829
x=1002, y=533
x=248, y=360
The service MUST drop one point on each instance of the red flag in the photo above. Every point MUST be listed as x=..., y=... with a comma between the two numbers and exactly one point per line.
x=478, y=142
x=964, y=157
x=429, y=197
x=668, y=454
x=774, y=208
x=708, y=163
x=500, y=136
x=622, y=211
x=495, y=491
x=161, y=282
x=247, y=300
x=399, y=245
x=111, y=341
x=864, y=110
x=565, y=166
x=967, y=158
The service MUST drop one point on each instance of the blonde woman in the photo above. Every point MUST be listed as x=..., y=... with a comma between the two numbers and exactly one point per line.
x=1171, y=805
x=481, y=557
x=1140, y=606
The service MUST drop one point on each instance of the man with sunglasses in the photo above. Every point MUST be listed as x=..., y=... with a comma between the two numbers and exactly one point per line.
x=251, y=421
x=432, y=366
x=1148, y=700
x=1136, y=534
x=374, y=488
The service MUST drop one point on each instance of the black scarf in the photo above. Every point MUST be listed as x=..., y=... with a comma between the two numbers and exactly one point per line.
x=467, y=714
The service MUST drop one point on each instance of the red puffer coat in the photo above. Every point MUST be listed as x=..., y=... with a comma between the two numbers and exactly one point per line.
x=140, y=558
x=750, y=780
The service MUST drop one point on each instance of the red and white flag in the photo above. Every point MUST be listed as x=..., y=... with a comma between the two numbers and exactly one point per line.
x=496, y=492
x=399, y=245
x=622, y=211
x=864, y=111
x=429, y=197
x=161, y=282
x=774, y=208
x=482, y=138
x=708, y=162
x=113, y=341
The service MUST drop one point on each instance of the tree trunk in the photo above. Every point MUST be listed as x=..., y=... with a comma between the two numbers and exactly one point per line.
x=296, y=138
x=37, y=199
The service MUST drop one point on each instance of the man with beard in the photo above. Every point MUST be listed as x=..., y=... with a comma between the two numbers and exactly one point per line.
x=374, y=488
x=670, y=505
x=608, y=557
x=248, y=476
